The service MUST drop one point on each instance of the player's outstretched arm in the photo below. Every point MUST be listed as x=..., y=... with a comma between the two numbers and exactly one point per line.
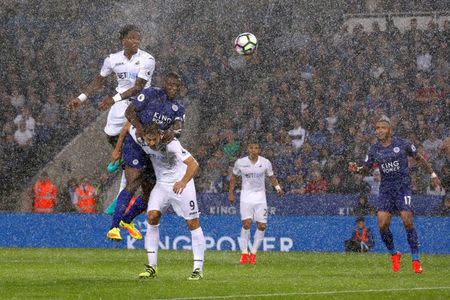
x=427, y=167
x=192, y=168
x=276, y=185
x=117, y=152
x=131, y=115
x=97, y=83
x=107, y=101
x=353, y=168
x=231, y=195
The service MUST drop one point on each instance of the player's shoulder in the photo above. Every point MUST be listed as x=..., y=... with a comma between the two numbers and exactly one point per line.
x=398, y=141
x=241, y=160
x=152, y=91
x=116, y=55
x=145, y=54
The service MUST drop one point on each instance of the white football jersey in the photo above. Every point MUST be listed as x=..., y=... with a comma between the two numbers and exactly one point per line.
x=169, y=163
x=142, y=65
x=253, y=175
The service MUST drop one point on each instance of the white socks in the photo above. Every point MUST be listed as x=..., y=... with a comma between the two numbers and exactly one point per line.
x=123, y=183
x=245, y=236
x=152, y=244
x=198, y=247
x=259, y=236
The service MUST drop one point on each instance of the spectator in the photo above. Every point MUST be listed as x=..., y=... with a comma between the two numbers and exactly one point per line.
x=374, y=182
x=336, y=186
x=44, y=195
x=444, y=208
x=23, y=136
x=316, y=184
x=231, y=147
x=85, y=195
x=361, y=240
x=26, y=115
x=363, y=207
x=434, y=190
x=297, y=135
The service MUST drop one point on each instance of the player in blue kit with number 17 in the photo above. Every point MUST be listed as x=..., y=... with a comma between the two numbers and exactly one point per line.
x=391, y=156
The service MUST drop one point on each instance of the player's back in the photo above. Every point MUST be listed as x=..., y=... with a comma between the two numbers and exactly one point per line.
x=168, y=163
x=253, y=174
x=153, y=105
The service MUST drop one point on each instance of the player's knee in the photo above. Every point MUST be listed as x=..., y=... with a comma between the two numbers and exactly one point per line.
x=261, y=226
x=193, y=224
x=408, y=223
x=383, y=225
x=246, y=224
x=153, y=217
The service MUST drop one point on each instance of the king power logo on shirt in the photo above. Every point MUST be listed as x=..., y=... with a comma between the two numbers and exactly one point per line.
x=391, y=166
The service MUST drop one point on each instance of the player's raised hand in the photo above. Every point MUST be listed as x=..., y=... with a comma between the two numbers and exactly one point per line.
x=178, y=187
x=106, y=103
x=73, y=103
x=280, y=192
x=352, y=167
x=436, y=182
x=232, y=197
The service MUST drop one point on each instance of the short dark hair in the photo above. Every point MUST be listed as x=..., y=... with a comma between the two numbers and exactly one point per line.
x=173, y=75
x=127, y=29
x=359, y=219
x=151, y=128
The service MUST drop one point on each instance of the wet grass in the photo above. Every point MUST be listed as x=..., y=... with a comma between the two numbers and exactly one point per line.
x=112, y=274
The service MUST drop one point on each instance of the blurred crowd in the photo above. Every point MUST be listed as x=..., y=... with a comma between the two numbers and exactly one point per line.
x=312, y=108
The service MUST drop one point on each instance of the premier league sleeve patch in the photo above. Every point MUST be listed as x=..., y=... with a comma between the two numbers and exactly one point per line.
x=141, y=97
x=174, y=107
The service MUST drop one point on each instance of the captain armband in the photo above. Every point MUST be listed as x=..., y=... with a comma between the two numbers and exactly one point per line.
x=433, y=175
x=278, y=188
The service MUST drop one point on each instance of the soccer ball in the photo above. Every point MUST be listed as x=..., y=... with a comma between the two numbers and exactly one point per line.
x=245, y=43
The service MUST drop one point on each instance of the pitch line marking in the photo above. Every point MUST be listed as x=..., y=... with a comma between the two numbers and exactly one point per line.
x=311, y=293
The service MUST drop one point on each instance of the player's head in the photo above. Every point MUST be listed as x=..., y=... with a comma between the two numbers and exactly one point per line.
x=172, y=85
x=152, y=136
x=253, y=149
x=130, y=36
x=383, y=128
x=360, y=222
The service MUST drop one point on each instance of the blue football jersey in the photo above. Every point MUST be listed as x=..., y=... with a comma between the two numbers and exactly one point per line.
x=392, y=161
x=153, y=105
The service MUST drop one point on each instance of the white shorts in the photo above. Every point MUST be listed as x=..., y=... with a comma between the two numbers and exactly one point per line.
x=254, y=206
x=184, y=205
x=116, y=118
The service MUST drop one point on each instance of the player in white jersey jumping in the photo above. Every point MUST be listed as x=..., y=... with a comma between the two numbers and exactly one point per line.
x=133, y=69
x=174, y=168
x=253, y=206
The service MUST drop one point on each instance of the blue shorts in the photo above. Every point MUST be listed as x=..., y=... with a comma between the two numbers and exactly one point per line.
x=134, y=156
x=395, y=198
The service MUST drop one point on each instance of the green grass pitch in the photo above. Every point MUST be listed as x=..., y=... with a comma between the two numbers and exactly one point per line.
x=112, y=274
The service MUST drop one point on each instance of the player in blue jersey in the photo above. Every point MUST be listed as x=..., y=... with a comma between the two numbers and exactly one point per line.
x=391, y=155
x=153, y=105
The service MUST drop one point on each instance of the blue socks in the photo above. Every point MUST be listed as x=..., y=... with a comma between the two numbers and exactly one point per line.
x=135, y=210
x=122, y=202
x=413, y=242
x=388, y=240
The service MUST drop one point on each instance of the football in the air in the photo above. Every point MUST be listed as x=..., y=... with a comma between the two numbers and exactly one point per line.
x=245, y=43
